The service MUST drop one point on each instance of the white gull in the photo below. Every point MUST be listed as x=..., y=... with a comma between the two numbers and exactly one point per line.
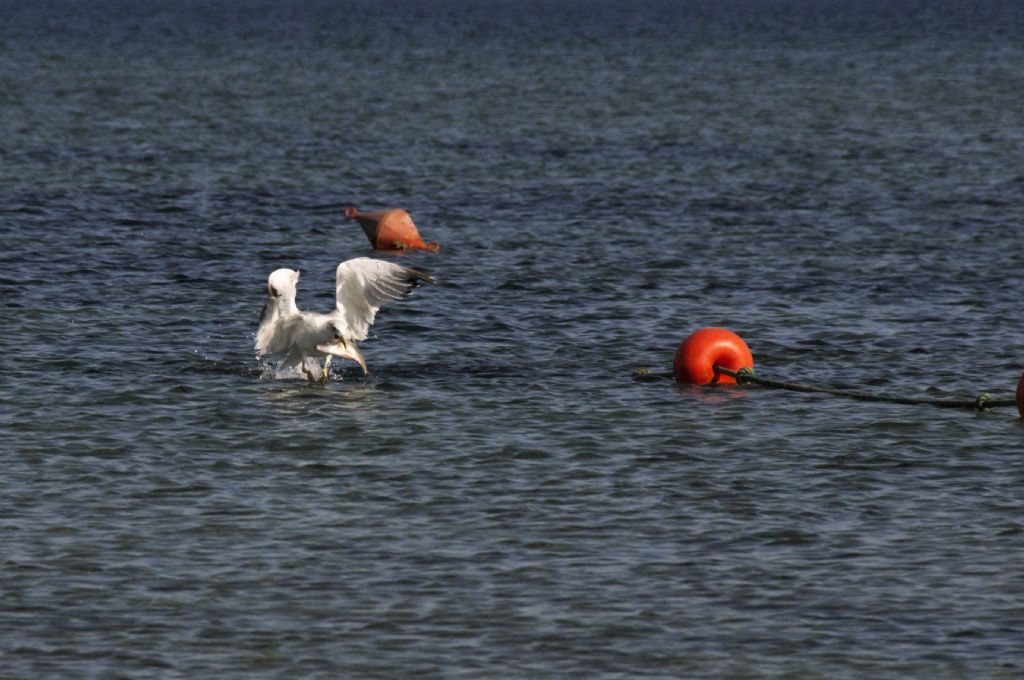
x=362, y=285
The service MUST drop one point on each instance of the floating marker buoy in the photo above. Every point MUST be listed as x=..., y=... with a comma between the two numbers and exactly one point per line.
x=697, y=355
x=390, y=230
x=1020, y=396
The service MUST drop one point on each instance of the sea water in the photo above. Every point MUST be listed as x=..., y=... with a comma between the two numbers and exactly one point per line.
x=839, y=183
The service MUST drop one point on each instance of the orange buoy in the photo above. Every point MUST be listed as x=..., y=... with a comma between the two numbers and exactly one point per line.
x=1020, y=396
x=390, y=229
x=697, y=355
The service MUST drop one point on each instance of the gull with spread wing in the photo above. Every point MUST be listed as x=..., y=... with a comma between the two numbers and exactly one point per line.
x=362, y=285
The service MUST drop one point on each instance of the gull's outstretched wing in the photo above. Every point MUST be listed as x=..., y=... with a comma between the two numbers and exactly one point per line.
x=364, y=284
x=271, y=336
x=276, y=332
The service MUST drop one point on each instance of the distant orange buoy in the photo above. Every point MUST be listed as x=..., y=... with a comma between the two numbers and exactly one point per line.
x=1020, y=396
x=697, y=355
x=390, y=230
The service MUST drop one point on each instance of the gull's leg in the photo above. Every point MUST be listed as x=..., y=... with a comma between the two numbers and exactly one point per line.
x=310, y=375
x=327, y=366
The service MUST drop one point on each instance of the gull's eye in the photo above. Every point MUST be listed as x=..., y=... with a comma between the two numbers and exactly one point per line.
x=273, y=291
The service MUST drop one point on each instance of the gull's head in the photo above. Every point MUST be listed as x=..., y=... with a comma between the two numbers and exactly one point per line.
x=282, y=283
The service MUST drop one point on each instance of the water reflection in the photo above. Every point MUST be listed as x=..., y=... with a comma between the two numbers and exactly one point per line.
x=713, y=396
x=294, y=397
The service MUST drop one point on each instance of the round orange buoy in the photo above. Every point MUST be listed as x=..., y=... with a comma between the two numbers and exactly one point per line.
x=1020, y=396
x=697, y=355
x=390, y=229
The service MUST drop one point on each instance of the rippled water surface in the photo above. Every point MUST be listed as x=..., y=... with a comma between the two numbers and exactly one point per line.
x=841, y=184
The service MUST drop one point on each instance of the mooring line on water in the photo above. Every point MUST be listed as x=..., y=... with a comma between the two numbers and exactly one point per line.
x=746, y=376
x=717, y=356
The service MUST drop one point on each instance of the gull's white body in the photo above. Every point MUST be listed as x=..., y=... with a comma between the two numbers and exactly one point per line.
x=301, y=338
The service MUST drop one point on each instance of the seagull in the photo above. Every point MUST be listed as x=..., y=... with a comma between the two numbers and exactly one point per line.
x=362, y=285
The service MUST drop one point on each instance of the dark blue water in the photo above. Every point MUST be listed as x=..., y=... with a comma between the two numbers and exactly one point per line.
x=841, y=184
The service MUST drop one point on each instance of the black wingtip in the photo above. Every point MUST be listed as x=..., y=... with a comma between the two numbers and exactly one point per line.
x=418, y=275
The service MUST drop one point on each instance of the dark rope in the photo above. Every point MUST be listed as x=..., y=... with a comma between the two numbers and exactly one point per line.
x=746, y=376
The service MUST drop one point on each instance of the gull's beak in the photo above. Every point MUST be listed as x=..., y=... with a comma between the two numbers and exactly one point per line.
x=345, y=350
